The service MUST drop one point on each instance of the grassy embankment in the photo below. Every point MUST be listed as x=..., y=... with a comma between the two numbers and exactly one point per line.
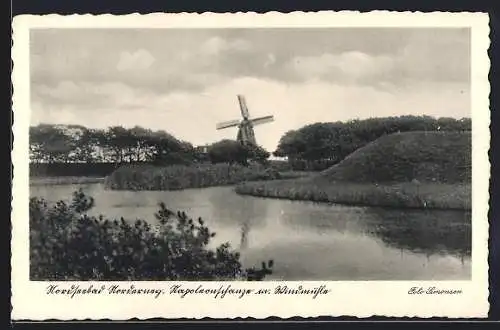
x=68, y=173
x=175, y=177
x=415, y=170
x=60, y=180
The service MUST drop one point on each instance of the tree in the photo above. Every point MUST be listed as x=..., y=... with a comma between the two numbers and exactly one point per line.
x=140, y=143
x=257, y=153
x=118, y=140
x=228, y=151
x=332, y=142
x=166, y=149
x=75, y=143
x=291, y=145
x=451, y=124
x=103, y=151
x=231, y=151
x=49, y=143
x=84, y=144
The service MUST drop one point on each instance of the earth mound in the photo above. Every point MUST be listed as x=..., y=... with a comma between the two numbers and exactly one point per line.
x=440, y=157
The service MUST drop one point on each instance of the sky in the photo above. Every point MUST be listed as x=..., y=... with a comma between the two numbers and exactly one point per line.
x=185, y=81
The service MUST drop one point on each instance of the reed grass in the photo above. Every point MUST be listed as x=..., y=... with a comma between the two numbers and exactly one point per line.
x=401, y=195
x=62, y=180
x=176, y=177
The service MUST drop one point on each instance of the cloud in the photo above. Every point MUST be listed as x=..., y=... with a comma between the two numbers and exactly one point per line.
x=158, y=66
x=65, y=91
x=172, y=60
x=425, y=57
x=186, y=81
x=88, y=97
x=213, y=46
x=217, y=45
x=270, y=60
x=352, y=65
x=139, y=60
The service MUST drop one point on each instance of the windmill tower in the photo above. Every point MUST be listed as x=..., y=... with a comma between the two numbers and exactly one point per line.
x=245, y=126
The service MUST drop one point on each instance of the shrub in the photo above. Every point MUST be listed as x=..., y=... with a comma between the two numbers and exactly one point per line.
x=68, y=244
x=175, y=177
x=234, y=152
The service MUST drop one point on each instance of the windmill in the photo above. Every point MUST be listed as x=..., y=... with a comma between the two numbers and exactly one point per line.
x=245, y=126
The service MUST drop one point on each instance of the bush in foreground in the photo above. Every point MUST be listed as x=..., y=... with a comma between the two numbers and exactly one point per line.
x=67, y=244
x=147, y=177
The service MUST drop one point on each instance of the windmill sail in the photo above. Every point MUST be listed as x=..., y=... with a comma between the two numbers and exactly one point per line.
x=243, y=107
x=262, y=120
x=226, y=124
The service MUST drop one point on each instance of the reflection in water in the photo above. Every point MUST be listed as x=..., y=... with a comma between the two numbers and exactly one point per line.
x=421, y=231
x=429, y=232
x=309, y=241
x=245, y=227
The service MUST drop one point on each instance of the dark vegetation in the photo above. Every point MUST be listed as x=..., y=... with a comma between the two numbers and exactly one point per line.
x=443, y=157
x=64, y=180
x=415, y=162
x=71, y=169
x=72, y=150
x=117, y=145
x=400, y=195
x=233, y=152
x=67, y=244
x=321, y=145
x=414, y=169
x=148, y=160
x=175, y=177
x=312, y=147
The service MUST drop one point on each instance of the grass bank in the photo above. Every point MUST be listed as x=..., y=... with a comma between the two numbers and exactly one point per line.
x=415, y=169
x=147, y=177
x=403, y=195
x=60, y=169
x=60, y=180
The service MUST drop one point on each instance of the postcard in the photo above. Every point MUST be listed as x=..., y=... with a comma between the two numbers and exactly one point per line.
x=250, y=165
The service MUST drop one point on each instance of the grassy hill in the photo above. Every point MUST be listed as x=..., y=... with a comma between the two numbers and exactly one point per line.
x=414, y=169
x=443, y=157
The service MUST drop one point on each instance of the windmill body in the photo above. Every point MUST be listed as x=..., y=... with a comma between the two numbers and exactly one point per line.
x=246, y=134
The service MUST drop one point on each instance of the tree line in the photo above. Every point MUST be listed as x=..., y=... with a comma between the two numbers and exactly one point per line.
x=74, y=143
x=331, y=142
x=78, y=144
x=319, y=144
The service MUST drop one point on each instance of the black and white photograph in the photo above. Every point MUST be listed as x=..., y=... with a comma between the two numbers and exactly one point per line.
x=327, y=154
x=241, y=154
